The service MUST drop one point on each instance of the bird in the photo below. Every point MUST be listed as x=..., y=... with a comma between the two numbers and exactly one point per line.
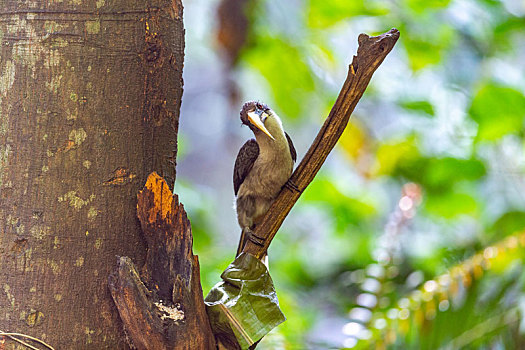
x=262, y=167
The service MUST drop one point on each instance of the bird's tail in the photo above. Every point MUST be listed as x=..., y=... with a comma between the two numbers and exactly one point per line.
x=245, y=234
x=242, y=241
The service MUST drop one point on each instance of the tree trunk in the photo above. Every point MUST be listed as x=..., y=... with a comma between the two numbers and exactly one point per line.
x=89, y=105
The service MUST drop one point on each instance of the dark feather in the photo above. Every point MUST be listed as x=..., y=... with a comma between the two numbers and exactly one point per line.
x=293, y=152
x=244, y=163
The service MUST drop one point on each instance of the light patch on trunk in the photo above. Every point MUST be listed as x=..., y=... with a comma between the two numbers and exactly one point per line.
x=98, y=243
x=39, y=231
x=93, y=27
x=5, y=151
x=77, y=136
x=10, y=297
x=56, y=268
x=7, y=78
x=74, y=200
x=79, y=262
x=92, y=213
x=170, y=313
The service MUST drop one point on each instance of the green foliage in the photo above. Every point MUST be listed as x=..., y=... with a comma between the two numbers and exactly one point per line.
x=420, y=6
x=498, y=110
x=289, y=76
x=440, y=153
x=390, y=154
x=508, y=223
x=426, y=48
x=469, y=306
x=345, y=210
x=419, y=106
x=451, y=204
x=439, y=175
x=505, y=31
x=445, y=112
x=322, y=14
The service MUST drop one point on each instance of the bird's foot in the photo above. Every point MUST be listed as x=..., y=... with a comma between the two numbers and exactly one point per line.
x=292, y=186
x=258, y=240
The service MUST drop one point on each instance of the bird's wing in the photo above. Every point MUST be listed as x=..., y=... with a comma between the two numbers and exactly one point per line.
x=244, y=163
x=293, y=152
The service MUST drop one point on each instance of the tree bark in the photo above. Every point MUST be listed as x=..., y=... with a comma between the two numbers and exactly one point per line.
x=89, y=105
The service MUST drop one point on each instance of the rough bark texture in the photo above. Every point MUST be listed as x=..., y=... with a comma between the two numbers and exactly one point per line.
x=370, y=54
x=89, y=100
x=165, y=308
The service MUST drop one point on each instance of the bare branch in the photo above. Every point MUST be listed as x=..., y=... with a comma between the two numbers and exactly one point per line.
x=370, y=54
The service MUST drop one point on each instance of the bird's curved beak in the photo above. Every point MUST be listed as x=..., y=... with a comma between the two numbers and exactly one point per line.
x=255, y=119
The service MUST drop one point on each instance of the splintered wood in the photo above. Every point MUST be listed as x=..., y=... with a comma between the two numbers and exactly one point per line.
x=162, y=306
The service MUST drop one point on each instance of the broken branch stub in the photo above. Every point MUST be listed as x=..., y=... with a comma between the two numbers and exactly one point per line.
x=163, y=308
x=370, y=54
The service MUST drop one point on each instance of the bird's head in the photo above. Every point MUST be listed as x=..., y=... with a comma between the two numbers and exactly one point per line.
x=254, y=114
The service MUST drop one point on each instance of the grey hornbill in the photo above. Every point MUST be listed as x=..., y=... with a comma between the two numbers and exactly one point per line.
x=263, y=166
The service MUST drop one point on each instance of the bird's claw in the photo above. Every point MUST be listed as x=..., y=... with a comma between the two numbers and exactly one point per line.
x=292, y=186
x=256, y=239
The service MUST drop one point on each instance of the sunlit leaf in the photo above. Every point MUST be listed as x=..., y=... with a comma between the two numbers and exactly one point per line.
x=498, y=110
x=390, y=154
x=424, y=108
x=427, y=48
x=509, y=223
x=303, y=314
x=353, y=139
x=450, y=204
x=285, y=69
x=504, y=33
x=293, y=271
x=326, y=13
x=422, y=53
x=419, y=6
x=440, y=174
x=473, y=304
x=443, y=172
x=346, y=210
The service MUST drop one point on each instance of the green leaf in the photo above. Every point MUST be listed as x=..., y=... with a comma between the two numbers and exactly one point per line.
x=243, y=307
x=440, y=174
x=389, y=155
x=420, y=6
x=499, y=110
x=504, y=33
x=345, y=210
x=424, y=108
x=443, y=172
x=284, y=68
x=508, y=223
x=425, y=47
x=322, y=13
x=449, y=204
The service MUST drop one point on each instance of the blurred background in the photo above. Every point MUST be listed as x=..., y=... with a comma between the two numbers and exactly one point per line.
x=410, y=237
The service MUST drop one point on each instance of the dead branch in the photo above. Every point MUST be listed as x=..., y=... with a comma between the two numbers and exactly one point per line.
x=370, y=54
